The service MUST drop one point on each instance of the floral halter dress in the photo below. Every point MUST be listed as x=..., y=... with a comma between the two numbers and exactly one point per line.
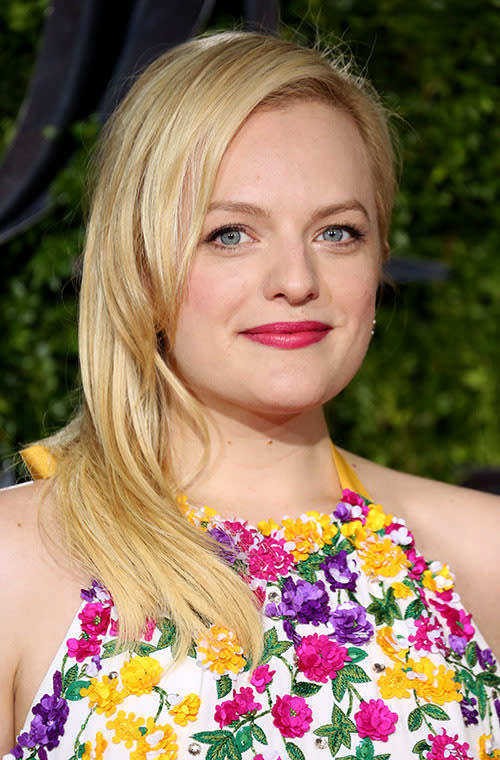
x=368, y=655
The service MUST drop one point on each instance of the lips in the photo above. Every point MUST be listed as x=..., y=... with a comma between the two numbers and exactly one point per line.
x=288, y=335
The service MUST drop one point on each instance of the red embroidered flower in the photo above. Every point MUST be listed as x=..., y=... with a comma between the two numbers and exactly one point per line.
x=375, y=720
x=319, y=658
x=291, y=716
x=95, y=618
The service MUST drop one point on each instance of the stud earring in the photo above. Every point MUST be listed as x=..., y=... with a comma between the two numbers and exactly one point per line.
x=374, y=322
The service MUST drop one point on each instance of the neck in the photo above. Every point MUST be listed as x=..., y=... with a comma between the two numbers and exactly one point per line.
x=258, y=467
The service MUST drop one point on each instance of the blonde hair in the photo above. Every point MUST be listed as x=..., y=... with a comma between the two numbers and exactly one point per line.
x=159, y=156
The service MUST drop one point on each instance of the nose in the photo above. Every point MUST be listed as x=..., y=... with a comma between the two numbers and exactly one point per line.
x=292, y=274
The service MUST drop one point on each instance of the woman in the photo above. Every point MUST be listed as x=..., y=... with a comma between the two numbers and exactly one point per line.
x=234, y=248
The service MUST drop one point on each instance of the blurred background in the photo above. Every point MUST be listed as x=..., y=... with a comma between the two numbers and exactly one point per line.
x=426, y=399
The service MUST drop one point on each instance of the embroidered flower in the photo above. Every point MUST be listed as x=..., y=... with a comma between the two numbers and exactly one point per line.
x=261, y=678
x=486, y=749
x=302, y=537
x=95, y=619
x=127, y=728
x=304, y=601
x=242, y=703
x=389, y=644
x=433, y=683
x=459, y=622
x=395, y=683
x=103, y=695
x=187, y=710
x=445, y=747
x=82, y=648
x=401, y=590
x=291, y=716
x=438, y=577
x=375, y=720
x=156, y=741
x=98, y=751
x=269, y=560
x=429, y=635
x=340, y=571
x=381, y=558
x=47, y=725
x=149, y=629
x=355, y=531
x=319, y=658
x=350, y=625
x=140, y=674
x=377, y=518
x=220, y=652
x=469, y=712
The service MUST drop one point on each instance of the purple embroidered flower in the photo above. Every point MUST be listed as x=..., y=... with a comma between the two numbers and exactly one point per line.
x=497, y=707
x=346, y=512
x=93, y=667
x=350, y=625
x=340, y=571
x=457, y=643
x=47, y=726
x=485, y=657
x=468, y=711
x=304, y=601
x=227, y=544
x=96, y=593
x=291, y=633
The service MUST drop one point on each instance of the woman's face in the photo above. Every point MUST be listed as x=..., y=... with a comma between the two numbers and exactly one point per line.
x=278, y=308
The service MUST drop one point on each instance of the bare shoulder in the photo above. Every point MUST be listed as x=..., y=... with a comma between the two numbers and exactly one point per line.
x=455, y=525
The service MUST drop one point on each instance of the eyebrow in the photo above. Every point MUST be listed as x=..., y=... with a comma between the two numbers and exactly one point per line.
x=320, y=213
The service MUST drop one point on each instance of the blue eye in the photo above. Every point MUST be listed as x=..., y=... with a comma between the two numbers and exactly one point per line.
x=337, y=234
x=229, y=237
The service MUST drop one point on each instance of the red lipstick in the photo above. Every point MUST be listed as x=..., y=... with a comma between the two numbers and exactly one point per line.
x=288, y=335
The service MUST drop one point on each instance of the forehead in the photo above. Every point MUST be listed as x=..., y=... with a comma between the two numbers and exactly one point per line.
x=308, y=149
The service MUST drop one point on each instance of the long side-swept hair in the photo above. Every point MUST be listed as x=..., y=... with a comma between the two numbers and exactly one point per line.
x=114, y=485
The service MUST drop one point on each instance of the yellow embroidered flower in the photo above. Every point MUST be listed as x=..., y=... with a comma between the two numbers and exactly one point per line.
x=355, y=531
x=401, y=591
x=486, y=749
x=328, y=528
x=220, y=651
x=438, y=577
x=433, y=683
x=389, y=645
x=97, y=753
x=377, y=518
x=186, y=710
x=103, y=695
x=382, y=558
x=304, y=534
x=266, y=527
x=161, y=741
x=140, y=674
x=395, y=683
x=127, y=728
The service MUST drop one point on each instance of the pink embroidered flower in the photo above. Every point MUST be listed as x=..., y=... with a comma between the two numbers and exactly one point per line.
x=291, y=716
x=261, y=677
x=429, y=635
x=458, y=621
x=113, y=629
x=83, y=648
x=418, y=564
x=95, y=618
x=375, y=720
x=245, y=536
x=353, y=498
x=268, y=560
x=445, y=747
x=149, y=629
x=319, y=658
x=242, y=703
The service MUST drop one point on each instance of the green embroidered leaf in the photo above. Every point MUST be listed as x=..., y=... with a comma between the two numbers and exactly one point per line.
x=306, y=689
x=294, y=752
x=481, y=699
x=356, y=654
x=222, y=745
x=327, y=730
x=489, y=679
x=334, y=743
x=435, y=712
x=73, y=691
x=415, y=719
x=70, y=677
x=339, y=685
x=467, y=680
x=224, y=686
x=258, y=734
x=471, y=653
x=81, y=750
x=344, y=545
x=365, y=751
x=421, y=749
x=414, y=609
x=143, y=649
x=355, y=673
x=273, y=647
x=212, y=737
x=244, y=738
x=110, y=648
x=385, y=756
x=192, y=651
x=385, y=610
x=168, y=634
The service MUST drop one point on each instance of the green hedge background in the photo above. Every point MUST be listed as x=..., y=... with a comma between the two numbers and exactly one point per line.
x=426, y=399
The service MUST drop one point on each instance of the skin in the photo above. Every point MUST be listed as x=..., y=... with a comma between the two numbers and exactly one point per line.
x=270, y=452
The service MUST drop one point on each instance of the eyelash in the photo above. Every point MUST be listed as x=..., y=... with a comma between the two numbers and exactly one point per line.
x=355, y=232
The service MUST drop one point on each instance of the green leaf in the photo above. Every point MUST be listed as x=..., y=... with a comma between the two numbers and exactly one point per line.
x=385, y=756
x=356, y=654
x=339, y=685
x=421, y=749
x=385, y=610
x=73, y=691
x=481, y=699
x=168, y=633
x=143, y=649
x=355, y=673
x=334, y=743
x=471, y=653
x=435, y=712
x=467, y=680
x=273, y=647
x=243, y=738
x=70, y=676
x=489, y=679
x=414, y=609
x=365, y=751
x=304, y=689
x=224, y=686
x=415, y=719
x=258, y=734
x=223, y=746
x=294, y=752
x=110, y=648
